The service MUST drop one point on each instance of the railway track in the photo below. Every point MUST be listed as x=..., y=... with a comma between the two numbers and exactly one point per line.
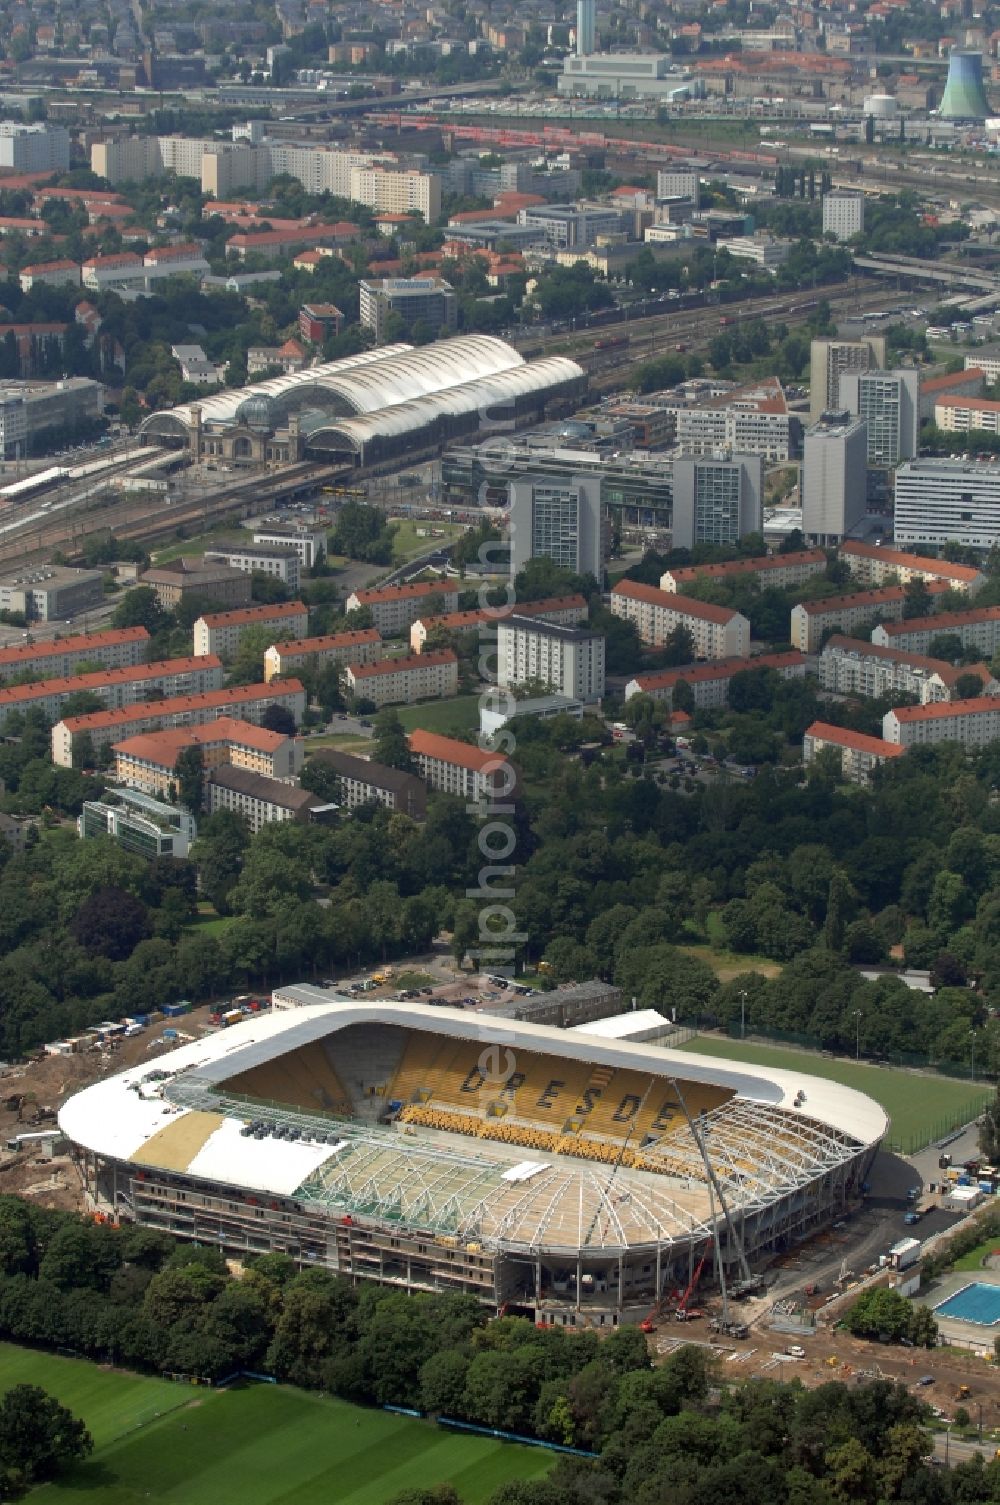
x=146, y=521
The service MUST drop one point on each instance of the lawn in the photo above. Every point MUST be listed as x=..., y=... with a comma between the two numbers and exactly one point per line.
x=207, y=922
x=408, y=544
x=264, y=1445
x=922, y=1107
x=974, y=1259
x=346, y=742
x=199, y=542
x=452, y=718
x=728, y=964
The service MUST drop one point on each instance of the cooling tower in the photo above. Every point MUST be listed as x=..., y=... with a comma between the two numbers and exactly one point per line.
x=964, y=95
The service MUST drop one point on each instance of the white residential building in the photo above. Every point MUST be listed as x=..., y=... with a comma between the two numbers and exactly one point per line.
x=377, y=179
x=710, y=682
x=718, y=631
x=872, y=564
x=848, y=666
x=220, y=631
x=557, y=520
x=567, y=661
x=395, y=608
x=452, y=767
x=888, y=403
x=40, y=147
x=402, y=681
x=767, y=569
x=64, y=273
x=740, y=429
x=811, y=619
x=340, y=648
x=570, y=611
x=718, y=499
x=977, y=628
x=859, y=754
x=843, y=214
x=974, y=723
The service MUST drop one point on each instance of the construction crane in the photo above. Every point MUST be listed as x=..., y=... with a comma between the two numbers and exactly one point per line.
x=648, y=1323
x=715, y=1188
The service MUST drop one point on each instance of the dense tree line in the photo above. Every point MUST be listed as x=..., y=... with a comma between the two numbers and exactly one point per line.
x=675, y=1434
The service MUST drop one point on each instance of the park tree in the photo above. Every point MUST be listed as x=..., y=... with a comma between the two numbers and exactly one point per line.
x=390, y=744
x=38, y=1438
x=246, y=666
x=218, y=855
x=140, y=608
x=189, y=771
x=110, y=923
x=278, y=718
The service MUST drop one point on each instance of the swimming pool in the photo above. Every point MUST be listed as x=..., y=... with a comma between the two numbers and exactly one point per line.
x=977, y=1303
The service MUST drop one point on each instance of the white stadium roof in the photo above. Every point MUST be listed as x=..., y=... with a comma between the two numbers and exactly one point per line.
x=763, y=1145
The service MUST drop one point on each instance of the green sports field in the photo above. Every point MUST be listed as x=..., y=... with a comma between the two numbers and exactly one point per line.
x=922, y=1106
x=263, y=1445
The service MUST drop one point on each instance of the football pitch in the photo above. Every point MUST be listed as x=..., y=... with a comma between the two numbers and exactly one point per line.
x=262, y=1445
x=921, y=1106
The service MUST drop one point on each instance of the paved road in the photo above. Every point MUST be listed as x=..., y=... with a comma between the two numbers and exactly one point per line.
x=952, y=1450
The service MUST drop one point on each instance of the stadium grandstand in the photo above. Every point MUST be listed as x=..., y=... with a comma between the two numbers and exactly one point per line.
x=574, y=1178
x=369, y=408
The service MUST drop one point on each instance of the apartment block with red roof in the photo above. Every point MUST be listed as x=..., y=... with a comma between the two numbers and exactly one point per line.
x=248, y=702
x=148, y=760
x=859, y=755
x=977, y=628
x=718, y=631
x=967, y=383
x=873, y=565
x=401, y=681
x=395, y=608
x=276, y=243
x=116, y=687
x=848, y=666
x=118, y=648
x=458, y=768
x=121, y=268
x=565, y=611
x=63, y=273
x=811, y=619
x=220, y=631
x=710, y=682
x=974, y=722
x=361, y=647
x=769, y=569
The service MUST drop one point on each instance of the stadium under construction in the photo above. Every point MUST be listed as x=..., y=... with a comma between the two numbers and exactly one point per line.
x=372, y=408
x=577, y=1179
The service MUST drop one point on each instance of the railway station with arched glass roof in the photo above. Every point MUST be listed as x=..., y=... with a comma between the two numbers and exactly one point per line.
x=370, y=407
